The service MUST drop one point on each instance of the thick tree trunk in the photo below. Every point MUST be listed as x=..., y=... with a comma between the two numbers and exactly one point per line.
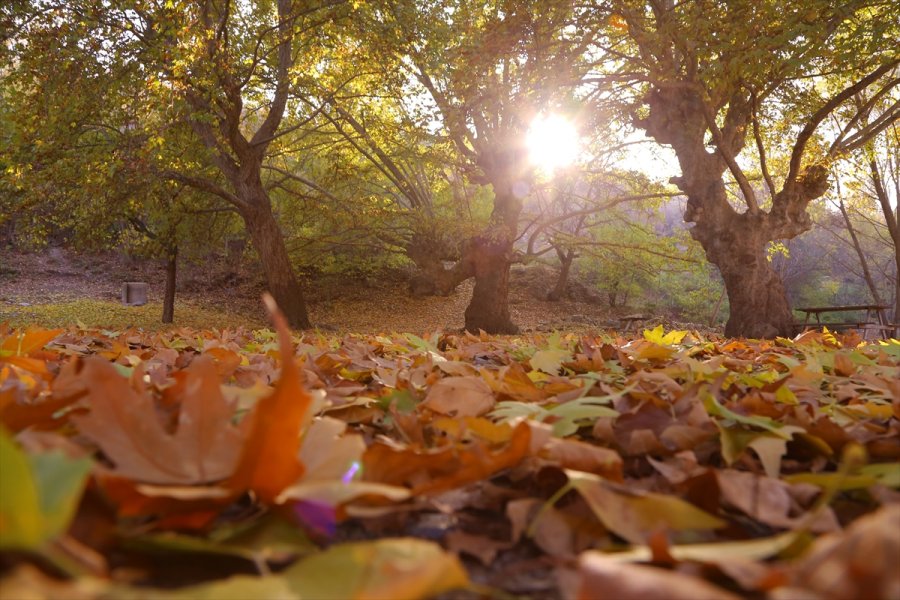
x=562, y=281
x=168, y=315
x=490, y=255
x=736, y=244
x=490, y=258
x=756, y=295
x=280, y=278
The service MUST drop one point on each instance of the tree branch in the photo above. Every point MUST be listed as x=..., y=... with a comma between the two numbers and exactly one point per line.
x=825, y=110
x=204, y=185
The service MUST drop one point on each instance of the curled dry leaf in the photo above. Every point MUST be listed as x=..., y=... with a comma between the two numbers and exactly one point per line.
x=634, y=515
x=446, y=468
x=269, y=460
x=582, y=456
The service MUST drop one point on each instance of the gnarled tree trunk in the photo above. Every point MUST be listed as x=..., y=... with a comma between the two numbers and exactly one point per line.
x=733, y=241
x=756, y=294
x=433, y=278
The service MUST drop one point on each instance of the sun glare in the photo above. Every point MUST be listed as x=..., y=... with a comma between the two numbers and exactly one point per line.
x=552, y=143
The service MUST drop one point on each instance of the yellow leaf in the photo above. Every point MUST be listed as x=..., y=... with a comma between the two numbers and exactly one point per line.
x=396, y=568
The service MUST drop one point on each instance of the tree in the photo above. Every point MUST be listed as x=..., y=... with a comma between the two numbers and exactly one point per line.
x=712, y=78
x=222, y=70
x=487, y=68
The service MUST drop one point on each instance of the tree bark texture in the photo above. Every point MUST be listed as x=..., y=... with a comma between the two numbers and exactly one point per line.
x=168, y=314
x=281, y=281
x=490, y=258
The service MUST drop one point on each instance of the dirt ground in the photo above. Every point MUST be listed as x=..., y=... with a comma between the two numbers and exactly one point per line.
x=339, y=304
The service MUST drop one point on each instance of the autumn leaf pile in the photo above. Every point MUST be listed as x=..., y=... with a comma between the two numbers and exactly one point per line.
x=239, y=464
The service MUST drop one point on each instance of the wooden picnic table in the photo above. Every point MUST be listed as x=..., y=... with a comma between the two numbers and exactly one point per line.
x=875, y=319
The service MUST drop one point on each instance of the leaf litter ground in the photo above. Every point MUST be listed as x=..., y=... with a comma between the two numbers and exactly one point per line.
x=254, y=464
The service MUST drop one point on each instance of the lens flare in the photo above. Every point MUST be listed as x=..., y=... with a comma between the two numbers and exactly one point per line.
x=552, y=142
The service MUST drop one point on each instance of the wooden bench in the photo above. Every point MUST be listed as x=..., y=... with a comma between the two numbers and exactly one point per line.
x=632, y=320
x=874, y=324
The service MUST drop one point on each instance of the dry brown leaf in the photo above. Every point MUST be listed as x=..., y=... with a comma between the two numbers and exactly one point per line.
x=861, y=562
x=605, y=577
x=771, y=501
x=466, y=396
x=483, y=548
x=446, y=468
x=269, y=460
x=582, y=456
x=125, y=424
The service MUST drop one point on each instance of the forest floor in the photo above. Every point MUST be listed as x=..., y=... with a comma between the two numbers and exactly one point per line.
x=198, y=463
x=48, y=288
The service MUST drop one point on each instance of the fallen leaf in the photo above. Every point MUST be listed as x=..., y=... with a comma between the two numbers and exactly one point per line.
x=269, y=460
x=582, y=456
x=860, y=562
x=125, y=425
x=40, y=494
x=395, y=568
x=635, y=515
x=467, y=396
x=446, y=468
x=605, y=577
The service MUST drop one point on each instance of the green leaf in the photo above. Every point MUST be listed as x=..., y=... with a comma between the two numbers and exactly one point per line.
x=40, y=494
x=20, y=518
x=403, y=400
x=887, y=474
x=269, y=538
x=238, y=587
x=715, y=408
x=756, y=549
x=769, y=447
x=571, y=415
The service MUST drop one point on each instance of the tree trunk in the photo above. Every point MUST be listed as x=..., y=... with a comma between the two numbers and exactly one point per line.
x=168, y=315
x=281, y=281
x=756, y=295
x=562, y=281
x=736, y=244
x=490, y=260
x=490, y=255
